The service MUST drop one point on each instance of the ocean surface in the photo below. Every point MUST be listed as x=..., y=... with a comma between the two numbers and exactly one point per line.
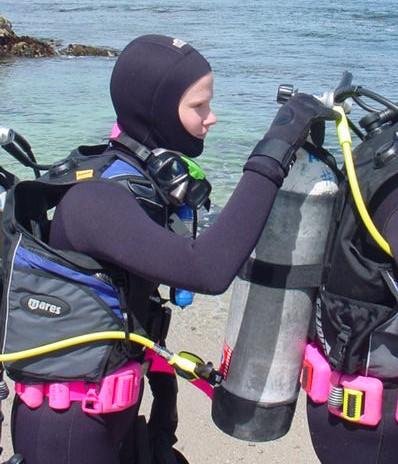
x=253, y=46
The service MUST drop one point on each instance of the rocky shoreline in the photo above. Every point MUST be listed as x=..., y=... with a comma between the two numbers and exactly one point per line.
x=12, y=45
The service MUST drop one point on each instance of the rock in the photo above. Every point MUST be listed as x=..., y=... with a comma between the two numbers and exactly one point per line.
x=6, y=28
x=87, y=50
x=25, y=46
x=30, y=47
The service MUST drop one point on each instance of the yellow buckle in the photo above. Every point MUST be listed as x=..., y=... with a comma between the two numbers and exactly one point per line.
x=352, y=404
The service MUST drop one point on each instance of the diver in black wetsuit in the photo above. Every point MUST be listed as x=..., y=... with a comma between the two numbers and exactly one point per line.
x=161, y=89
x=338, y=440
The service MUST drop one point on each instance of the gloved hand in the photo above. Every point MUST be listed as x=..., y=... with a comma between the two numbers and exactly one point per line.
x=289, y=130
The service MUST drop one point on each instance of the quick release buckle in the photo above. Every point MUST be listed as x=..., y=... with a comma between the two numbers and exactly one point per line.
x=353, y=404
x=356, y=398
x=315, y=376
x=337, y=353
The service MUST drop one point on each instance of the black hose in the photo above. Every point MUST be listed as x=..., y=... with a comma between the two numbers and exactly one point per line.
x=356, y=130
x=24, y=159
x=25, y=145
x=360, y=91
x=363, y=105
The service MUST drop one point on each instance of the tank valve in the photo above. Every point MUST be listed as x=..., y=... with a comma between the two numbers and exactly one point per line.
x=285, y=91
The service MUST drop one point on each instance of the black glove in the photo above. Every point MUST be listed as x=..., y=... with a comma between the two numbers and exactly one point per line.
x=289, y=131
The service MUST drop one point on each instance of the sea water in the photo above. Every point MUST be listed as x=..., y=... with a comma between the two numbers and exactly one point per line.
x=252, y=45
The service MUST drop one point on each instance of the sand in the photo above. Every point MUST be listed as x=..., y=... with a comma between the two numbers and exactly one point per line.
x=200, y=329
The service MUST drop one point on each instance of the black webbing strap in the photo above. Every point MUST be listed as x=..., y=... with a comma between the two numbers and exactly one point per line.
x=326, y=157
x=141, y=151
x=391, y=283
x=281, y=276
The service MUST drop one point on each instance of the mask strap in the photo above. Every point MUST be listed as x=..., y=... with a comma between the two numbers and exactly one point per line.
x=142, y=152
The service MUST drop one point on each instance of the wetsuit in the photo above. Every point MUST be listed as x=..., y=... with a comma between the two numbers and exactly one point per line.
x=337, y=440
x=106, y=222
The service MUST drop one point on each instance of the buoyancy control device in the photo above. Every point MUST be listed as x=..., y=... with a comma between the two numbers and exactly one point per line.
x=271, y=307
x=45, y=287
x=356, y=316
x=84, y=164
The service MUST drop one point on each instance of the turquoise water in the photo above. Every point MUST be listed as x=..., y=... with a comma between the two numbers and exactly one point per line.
x=253, y=46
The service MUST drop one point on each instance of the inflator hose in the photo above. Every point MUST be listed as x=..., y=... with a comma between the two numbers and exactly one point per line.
x=343, y=134
x=173, y=359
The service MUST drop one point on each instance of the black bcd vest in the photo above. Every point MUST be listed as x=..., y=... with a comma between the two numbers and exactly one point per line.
x=356, y=313
x=51, y=295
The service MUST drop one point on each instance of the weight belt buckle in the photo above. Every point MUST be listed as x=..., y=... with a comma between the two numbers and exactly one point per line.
x=315, y=375
x=356, y=398
x=117, y=391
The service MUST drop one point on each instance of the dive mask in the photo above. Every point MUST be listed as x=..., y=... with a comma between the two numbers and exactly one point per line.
x=180, y=179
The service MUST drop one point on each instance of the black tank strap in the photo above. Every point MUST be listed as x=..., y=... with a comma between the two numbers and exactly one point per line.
x=281, y=276
x=326, y=157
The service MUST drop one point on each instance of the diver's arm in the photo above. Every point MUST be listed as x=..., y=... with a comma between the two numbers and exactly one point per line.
x=105, y=221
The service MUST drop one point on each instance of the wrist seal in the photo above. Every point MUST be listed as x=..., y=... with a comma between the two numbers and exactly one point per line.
x=279, y=150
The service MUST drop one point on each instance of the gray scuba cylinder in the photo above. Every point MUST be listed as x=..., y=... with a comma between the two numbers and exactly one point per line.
x=271, y=306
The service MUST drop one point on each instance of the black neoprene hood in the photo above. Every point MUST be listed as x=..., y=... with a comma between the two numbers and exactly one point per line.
x=148, y=80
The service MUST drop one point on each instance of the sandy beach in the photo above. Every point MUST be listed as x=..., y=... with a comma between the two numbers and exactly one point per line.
x=200, y=329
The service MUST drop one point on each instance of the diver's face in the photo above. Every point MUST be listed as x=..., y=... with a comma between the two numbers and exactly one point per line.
x=194, y=109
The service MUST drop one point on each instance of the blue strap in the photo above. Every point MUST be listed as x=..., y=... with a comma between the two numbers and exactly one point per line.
x=120, y=168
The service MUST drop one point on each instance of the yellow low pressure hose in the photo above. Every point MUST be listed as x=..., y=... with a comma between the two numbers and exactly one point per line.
x=172, y=358
x=344, y=136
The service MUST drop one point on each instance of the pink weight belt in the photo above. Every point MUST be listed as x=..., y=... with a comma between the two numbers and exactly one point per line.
x=116, y=392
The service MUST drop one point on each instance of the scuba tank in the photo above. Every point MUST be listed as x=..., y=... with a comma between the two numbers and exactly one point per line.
x=271, y=307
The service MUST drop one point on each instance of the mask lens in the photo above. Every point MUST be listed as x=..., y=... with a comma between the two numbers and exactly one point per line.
x=198, y=193
x=180, y=178
x=168, y=169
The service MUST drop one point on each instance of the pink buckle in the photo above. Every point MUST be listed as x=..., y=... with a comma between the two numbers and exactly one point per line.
x=315, y=376
x=354, y=398
x=116, y=392
x=362, y=398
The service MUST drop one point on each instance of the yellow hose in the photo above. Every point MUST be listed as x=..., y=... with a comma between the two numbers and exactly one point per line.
x=343, y=134
x=172, y=358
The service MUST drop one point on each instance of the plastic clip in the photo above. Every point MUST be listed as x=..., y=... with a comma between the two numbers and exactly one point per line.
x=315, y=375
x=362, y=399
x=91, y=403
